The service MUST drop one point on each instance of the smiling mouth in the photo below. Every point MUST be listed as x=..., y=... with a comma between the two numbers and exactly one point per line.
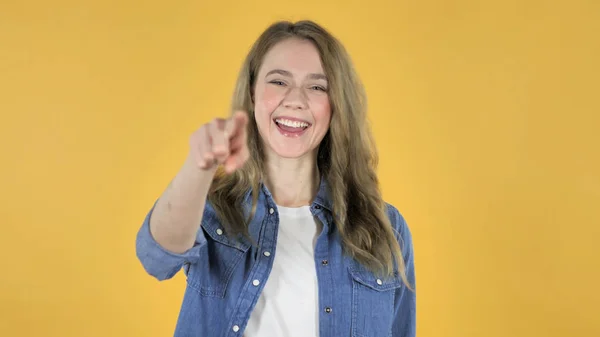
x=291, y=128
x=283, y=122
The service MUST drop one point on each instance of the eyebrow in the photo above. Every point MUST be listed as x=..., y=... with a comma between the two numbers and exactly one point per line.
x=289, y=74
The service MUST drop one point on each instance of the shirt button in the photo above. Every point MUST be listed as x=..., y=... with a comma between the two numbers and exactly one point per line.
x=219, y=231
x=236, y=328
x=324, y=262
x=328, y=310
x=256, y=283
x=267, y=253
x=379, y=282
x=318, y=206
x=271, y=210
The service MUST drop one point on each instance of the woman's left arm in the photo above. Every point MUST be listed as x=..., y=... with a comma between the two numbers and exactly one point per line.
x=405, y=301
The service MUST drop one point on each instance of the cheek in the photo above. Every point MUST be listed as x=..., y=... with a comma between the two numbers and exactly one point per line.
x=267, y=99
x=322, y=112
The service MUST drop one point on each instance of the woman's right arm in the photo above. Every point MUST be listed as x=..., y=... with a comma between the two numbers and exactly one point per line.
x=170, y=231
x=177, y=214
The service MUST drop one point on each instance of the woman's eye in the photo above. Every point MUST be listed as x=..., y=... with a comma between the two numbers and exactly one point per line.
x=276, y=82
x=318, y=87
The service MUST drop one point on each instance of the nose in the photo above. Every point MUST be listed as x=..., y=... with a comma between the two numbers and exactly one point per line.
x=295, y=99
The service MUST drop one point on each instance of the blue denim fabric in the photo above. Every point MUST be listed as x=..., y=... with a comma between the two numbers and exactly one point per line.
x=220, y=294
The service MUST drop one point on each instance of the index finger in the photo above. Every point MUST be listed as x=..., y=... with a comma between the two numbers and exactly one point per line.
x=237, y=124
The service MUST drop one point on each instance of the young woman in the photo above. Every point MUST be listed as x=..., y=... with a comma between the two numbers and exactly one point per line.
x=276, y=216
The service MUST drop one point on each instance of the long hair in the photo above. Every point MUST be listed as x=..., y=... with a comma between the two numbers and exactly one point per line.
x=346, y=158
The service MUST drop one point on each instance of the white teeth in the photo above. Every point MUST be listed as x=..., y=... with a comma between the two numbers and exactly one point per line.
x=293, y=124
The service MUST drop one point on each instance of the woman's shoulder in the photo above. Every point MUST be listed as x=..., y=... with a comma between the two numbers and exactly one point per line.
x=398, y=221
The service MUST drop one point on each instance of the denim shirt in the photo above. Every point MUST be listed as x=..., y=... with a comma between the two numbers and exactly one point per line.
x=220, y=293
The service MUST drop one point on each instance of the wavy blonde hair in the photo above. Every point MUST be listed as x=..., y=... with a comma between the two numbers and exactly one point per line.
x=347, y=157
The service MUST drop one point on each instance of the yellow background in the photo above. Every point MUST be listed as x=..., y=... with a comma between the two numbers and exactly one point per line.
x=485, y=113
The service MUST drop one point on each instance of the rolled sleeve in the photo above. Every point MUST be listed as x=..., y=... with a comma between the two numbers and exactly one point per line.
x=156, y=260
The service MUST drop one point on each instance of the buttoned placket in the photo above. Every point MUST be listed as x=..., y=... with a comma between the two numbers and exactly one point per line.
x=260, y=271
x=324, y=276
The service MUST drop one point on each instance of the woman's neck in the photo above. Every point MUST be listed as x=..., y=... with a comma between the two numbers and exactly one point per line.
x=292, y=182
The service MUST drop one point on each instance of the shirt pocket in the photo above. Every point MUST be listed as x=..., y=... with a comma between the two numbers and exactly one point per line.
x=372, y=302
x=212, y=275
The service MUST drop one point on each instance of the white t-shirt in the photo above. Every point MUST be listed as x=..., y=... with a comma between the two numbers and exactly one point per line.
x=288, y=304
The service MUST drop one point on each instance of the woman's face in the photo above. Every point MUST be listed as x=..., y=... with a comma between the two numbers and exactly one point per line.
x=292, y=109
